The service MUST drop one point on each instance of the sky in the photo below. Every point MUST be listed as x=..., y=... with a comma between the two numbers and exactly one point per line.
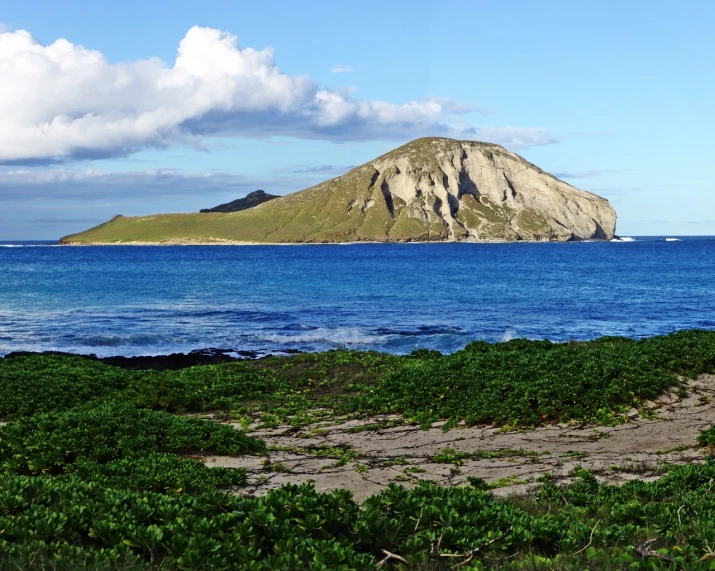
x=141, y=107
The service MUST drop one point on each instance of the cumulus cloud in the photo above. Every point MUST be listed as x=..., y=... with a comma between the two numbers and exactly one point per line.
x=63, y=101
x=339, y=68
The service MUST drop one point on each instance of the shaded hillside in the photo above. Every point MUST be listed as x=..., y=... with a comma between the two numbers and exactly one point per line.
x=249, y=201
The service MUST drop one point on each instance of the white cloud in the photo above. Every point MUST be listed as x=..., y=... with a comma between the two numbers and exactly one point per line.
x=316, y=169
x=96, y=185
x=514, y=137
x=588, y=173
x=68, y=102
x=339, y=68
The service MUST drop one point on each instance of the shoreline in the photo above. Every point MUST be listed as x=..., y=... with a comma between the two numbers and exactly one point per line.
x=239, y=243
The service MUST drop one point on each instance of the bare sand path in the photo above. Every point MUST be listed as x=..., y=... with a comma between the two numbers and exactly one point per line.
x=510, y=461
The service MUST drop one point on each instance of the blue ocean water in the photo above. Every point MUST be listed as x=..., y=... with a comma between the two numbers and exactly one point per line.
x=393, y=297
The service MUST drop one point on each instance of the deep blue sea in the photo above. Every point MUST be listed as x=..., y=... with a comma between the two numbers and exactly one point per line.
x=394, y=297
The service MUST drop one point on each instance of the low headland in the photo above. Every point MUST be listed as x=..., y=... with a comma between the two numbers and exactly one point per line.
x=429, y=190
x=515, y=455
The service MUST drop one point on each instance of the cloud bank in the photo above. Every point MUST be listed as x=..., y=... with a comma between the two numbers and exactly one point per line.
x=41, y=185
x=63, y=102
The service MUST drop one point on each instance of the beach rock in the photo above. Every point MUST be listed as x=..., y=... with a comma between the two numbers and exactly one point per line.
x=172, y=362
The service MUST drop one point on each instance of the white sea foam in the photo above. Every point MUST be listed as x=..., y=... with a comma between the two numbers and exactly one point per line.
x=672, y=239
x=624, y=239
x=509, y=334
x=336, y=337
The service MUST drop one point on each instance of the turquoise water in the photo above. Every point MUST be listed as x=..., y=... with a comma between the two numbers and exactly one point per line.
x=393, y=297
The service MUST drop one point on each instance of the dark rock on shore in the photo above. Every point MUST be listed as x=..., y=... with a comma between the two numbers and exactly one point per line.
x=249, y=201
x=178, y=360
x=173, y=362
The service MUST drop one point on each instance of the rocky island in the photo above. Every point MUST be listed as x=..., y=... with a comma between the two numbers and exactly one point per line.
x=429, y=190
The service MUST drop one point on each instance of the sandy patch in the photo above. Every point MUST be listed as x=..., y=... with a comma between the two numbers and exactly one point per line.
x=513, y=461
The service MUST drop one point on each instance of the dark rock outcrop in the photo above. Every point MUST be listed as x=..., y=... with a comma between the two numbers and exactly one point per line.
x=249, y=201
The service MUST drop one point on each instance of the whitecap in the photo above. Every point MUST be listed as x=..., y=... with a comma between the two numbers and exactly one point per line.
x=337, y=337
x=509, y=334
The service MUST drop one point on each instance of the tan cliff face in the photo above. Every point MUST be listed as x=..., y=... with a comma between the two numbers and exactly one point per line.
x=428, y=190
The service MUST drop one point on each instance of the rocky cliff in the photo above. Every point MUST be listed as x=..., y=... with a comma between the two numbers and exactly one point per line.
x=431, y=189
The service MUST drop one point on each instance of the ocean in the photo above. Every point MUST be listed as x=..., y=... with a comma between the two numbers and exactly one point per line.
x=388, y=297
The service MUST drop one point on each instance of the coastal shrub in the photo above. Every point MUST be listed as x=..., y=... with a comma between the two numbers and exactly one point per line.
x=707, y=437
x=524, y=382
x=41, y=383
x=286, y=385
x=53, y=442
x=520, y=382
x=91, y=477
x=161, y=473
x=584, y=525
x=32, y=384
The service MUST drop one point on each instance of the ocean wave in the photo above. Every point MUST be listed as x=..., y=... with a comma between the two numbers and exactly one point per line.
x=509, y=334
x=25, y=245
x=422, y=331
x=333, y=337
x=624, y=239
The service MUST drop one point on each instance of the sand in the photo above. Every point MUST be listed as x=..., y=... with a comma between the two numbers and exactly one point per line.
x=639, y=448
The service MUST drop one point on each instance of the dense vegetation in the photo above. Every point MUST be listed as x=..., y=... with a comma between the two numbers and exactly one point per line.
x=54, y=442
x=70, y=523
x=96, y=467
x=518, y=383
x=530, y=382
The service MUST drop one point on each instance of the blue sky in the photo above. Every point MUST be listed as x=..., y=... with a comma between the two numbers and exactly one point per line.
x=100, y=118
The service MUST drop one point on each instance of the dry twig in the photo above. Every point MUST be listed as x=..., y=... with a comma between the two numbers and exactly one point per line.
x=469, y=555
x=590, y=539
x=645, y=551
x=389, y=556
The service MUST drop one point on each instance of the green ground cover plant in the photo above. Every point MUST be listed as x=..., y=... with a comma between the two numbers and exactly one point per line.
x=527, y=383
x=285, y=387
x=518, y=383
x=96, y=467
x=585, y=525
x=51, y=443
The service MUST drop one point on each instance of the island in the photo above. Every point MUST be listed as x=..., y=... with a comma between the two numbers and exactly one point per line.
x=429, y=190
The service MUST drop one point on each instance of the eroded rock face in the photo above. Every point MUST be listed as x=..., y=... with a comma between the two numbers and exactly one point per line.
x=463, y=190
